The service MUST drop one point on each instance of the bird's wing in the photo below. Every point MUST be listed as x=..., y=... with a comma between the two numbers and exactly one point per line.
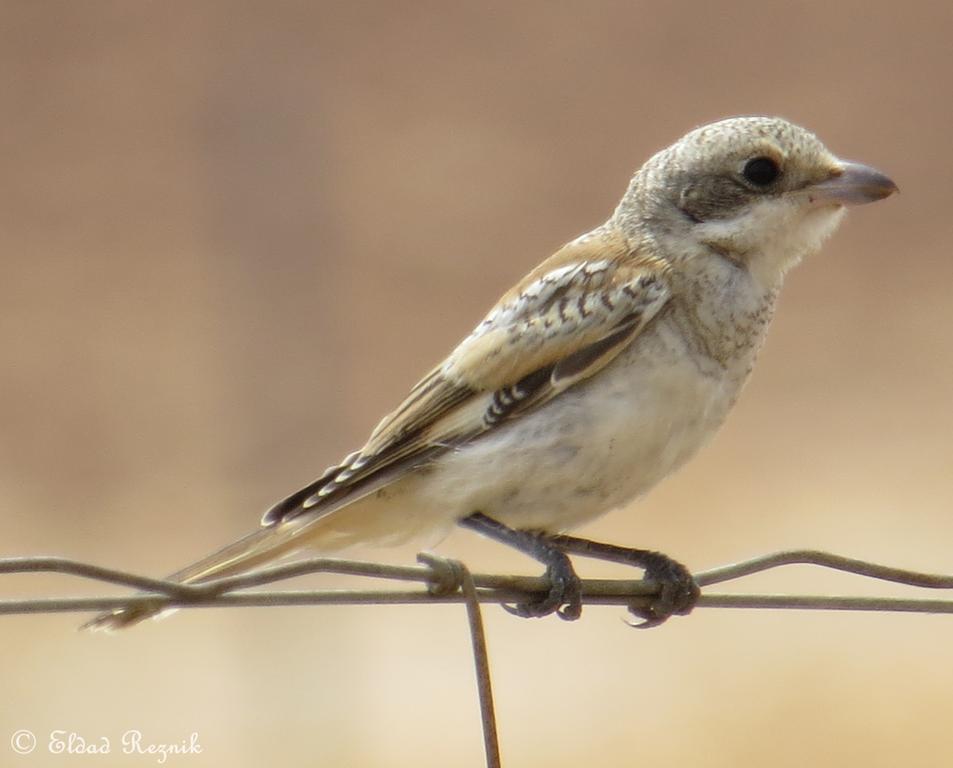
x=563, y=322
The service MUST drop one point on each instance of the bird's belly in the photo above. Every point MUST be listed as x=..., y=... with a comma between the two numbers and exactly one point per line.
x=594, y=447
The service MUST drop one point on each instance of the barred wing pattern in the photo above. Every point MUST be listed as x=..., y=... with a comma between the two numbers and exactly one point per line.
x=566, y=320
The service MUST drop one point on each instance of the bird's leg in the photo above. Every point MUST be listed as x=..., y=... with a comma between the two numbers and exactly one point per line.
x=678, y=591
x=564, y=597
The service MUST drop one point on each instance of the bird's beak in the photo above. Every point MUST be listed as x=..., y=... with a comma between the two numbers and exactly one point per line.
x=852, y=184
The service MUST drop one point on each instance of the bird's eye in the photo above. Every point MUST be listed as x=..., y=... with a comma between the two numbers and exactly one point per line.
x=761, y=171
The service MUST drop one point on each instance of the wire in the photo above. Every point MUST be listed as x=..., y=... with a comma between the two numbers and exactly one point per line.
x=490, y=588
x=449, y=581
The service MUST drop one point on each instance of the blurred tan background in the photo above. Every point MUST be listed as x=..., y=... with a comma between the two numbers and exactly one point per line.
x=233, y=234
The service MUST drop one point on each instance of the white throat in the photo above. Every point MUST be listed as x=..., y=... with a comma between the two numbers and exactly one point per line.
x=773, y=236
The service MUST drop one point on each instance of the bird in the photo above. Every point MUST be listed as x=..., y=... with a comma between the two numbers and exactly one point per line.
x=596, y=376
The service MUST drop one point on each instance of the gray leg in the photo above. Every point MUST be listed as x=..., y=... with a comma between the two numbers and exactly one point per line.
x=563, y=599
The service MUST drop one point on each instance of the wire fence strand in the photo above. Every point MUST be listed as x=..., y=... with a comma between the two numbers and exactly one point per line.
x=444, y=581
x=239, y=591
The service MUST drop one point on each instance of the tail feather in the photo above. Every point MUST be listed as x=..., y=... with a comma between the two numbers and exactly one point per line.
x=264, y=545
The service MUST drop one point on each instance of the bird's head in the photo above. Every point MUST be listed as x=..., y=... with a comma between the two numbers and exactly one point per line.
x=758, y=191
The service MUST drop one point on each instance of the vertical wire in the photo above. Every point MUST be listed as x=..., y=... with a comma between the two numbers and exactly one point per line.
x=481, y=663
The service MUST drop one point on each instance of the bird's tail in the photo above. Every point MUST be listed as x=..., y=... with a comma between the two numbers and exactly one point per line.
x=264, y=545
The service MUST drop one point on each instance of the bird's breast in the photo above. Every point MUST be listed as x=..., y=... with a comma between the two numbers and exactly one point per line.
x=597, y=445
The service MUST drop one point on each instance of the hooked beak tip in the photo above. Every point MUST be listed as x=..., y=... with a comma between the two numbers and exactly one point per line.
x=853, y=184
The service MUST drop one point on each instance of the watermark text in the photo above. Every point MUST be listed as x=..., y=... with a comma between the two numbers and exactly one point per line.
x=131, y=742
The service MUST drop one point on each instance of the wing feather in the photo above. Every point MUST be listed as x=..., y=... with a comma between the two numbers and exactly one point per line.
x=566, y=320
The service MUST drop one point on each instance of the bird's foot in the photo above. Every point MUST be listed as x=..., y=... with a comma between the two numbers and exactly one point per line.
x=564, y=597
x=678, y=590
x=565, y=593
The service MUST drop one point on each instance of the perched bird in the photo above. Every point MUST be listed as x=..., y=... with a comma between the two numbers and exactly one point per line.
x=594, y=377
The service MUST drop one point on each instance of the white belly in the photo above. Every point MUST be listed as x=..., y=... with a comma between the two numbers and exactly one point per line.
x=595, y=447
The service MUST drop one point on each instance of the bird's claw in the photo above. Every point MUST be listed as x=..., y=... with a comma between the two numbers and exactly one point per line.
x=564, y=597
x=678, y=593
